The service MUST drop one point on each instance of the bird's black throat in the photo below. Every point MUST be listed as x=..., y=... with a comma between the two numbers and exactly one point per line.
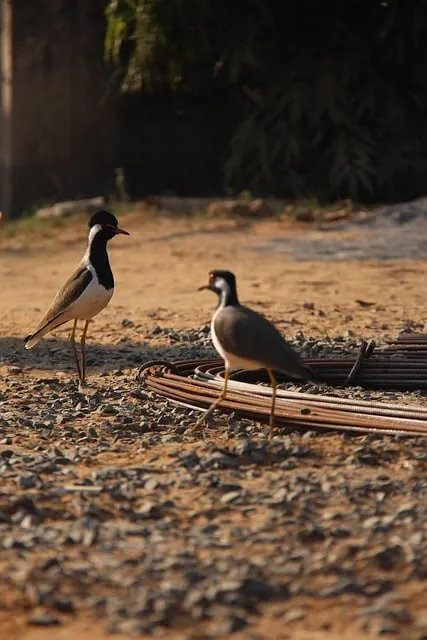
x=228, y=297
x=98, y=257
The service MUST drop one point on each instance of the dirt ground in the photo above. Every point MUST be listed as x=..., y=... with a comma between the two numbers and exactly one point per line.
x=159, y=267
x=157, y=271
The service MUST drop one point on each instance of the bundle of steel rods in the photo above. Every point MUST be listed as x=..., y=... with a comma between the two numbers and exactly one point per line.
x=411, y=345
x=196, y=383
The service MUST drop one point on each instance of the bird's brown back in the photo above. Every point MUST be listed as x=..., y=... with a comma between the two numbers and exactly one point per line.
x=247, y=334
x=70, y=291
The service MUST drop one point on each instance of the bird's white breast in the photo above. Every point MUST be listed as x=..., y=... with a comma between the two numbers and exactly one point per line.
x=93, y=299
x=215, y=340
x=231, y=361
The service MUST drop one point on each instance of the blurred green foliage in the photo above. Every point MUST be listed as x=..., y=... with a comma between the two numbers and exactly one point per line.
x=326, y=98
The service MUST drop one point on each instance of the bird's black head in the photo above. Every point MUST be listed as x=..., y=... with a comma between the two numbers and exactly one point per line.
x=223, y=283
x=104, y=224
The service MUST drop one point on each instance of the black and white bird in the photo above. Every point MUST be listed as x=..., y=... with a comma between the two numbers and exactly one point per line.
x=86, y=292
x=247, y=340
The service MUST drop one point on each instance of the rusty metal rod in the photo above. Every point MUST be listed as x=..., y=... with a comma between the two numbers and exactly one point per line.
x=261, y=395
x=294, y=411
x=195, y=383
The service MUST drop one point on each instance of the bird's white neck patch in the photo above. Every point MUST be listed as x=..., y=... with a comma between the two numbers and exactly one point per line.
x=222, y=285
x=92, y=233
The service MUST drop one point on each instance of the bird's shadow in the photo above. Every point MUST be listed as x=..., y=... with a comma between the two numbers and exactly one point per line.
x=54, y=354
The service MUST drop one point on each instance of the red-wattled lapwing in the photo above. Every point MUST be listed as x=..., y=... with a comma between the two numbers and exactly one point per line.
x=247, y=340
x=88, y=290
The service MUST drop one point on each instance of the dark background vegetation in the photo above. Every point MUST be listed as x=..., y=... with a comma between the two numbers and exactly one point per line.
x=295, y=98
x=322, y=99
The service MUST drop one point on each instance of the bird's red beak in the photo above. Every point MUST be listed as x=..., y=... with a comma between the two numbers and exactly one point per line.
x=209, y=285
x=118, y=230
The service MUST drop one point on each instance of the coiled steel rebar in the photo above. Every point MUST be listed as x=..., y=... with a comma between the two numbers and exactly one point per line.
x=197, y=383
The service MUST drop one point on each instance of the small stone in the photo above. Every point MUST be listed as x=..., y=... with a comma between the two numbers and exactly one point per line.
x=14, y=369
x=44, y=620
x=27, y=481
x=386, y=628
x=400, y=614
x=232, y=624
x=107, y=410
x=306, y=215
x=156, y=331
x=231, y=496
x=260, y=209
x=151, y=484
x=148, y=510
x=127, y=323
x=387, y=558
x=294, y=614
x=139, y=395
x=63, y=604
x=229, y=208
x=189, y=460
x=407, y=509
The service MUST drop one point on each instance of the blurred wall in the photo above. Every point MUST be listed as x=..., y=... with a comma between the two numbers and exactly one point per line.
x=63, y=127
x=69, y=131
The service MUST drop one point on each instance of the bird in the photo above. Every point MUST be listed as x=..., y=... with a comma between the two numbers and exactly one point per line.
x=86, y=292
x=247, y=340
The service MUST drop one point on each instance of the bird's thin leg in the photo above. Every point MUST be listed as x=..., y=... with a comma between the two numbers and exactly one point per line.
x=217, y=402
x=73, y=347
x=273, y=400
x=82, y=348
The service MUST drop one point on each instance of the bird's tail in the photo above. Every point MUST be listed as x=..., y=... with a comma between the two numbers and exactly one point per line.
x=305, y=372
x=31, y=340
x=309, y=374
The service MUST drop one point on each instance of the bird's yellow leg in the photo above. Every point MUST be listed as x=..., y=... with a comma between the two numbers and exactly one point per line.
x=273, y=400
x=217, y=402
x=73, y=347
x=82, y=348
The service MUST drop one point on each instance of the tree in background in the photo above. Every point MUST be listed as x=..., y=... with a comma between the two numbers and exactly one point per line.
x=326, y=99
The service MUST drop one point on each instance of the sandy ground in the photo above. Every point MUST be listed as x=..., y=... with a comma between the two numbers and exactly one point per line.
x=159, y=267
x=157, y=271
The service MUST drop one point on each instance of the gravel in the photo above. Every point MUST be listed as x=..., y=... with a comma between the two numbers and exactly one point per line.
x=110, y=507
x=387, y=233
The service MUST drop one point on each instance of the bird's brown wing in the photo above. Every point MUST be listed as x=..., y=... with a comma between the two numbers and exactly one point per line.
x=70, y=291
x=249, y=335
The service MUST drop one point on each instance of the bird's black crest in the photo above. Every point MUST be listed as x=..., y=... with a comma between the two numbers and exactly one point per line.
x=228, y=276
x=103, y=217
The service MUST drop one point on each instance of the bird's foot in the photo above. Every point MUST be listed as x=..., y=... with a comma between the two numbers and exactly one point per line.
x=82, y=385
x=205, y=420
x=197, y=426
